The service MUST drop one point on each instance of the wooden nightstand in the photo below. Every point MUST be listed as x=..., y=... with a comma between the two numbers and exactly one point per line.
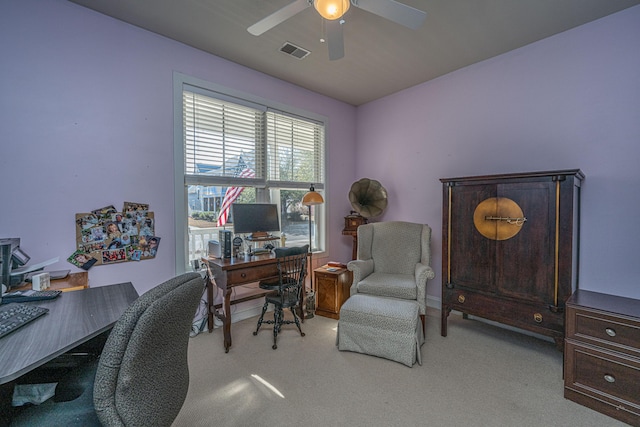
x=332, y=290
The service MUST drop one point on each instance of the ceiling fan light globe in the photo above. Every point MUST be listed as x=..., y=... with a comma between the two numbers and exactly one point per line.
x=332, y=9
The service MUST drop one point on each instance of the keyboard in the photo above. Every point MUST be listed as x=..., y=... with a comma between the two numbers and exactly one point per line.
x=15, y=315
x=29, y=295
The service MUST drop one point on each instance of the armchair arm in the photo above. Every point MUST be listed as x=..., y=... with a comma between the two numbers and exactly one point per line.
x=423, y=273
x=361, y=269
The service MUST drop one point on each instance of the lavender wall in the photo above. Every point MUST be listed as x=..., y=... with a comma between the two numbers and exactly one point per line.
x=569, y=101
x=86, y=120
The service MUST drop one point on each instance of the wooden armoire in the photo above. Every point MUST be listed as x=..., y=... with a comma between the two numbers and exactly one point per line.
x=510, y=248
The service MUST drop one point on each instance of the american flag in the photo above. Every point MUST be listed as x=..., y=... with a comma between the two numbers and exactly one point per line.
x=232, y=193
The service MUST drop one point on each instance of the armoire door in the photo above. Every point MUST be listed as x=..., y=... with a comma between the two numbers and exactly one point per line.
x=524, y=263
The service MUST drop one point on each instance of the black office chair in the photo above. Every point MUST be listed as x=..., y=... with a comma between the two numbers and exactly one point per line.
x=142, y=376
x=287, y=294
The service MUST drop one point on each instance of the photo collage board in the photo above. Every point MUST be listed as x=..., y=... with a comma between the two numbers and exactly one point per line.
x=108, y=236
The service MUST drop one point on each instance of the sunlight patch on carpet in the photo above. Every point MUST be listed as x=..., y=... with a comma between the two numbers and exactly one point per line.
x=267, y=384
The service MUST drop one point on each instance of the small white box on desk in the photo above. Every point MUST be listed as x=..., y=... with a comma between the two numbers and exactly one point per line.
x=40, y=282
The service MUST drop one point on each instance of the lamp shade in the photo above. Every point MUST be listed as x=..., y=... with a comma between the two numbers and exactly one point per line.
x=312, y=198
x=331, y=9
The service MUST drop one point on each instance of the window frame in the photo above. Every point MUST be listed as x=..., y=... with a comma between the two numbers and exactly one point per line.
x=182, y=81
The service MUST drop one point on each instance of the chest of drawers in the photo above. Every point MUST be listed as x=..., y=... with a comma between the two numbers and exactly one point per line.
x=602, y=354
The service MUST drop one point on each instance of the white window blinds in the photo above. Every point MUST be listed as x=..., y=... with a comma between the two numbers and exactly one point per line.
x=223, y=138
x=220, y=137
x=295, y=149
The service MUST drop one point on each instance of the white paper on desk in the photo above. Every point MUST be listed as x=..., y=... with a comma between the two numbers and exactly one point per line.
x=29, y=268
x=32, y=393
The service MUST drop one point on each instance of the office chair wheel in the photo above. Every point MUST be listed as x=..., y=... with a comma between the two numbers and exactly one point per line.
x=274, y=346
x=302, y=334
x=255, y=333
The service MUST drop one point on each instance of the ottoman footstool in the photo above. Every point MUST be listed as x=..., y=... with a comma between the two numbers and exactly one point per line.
x=382, y=327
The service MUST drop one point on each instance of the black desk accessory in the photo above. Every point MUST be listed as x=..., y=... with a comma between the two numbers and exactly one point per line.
x=29, y=295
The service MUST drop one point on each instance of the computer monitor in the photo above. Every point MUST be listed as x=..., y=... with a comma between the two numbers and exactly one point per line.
x=257, y=219
x=11, y=256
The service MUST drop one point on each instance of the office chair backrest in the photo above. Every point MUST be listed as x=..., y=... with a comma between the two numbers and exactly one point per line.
x=143, y=376
x=290, y=261
x=295, y=250
x=292, y=271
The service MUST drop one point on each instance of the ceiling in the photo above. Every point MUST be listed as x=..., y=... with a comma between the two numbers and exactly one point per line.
x=381, y=57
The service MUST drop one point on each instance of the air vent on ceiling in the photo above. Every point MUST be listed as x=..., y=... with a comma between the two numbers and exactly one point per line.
x=293, y=50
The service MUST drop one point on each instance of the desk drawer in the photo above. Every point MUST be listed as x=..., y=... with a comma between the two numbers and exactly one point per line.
x=254, y=274
x=596, y=328
x=603, y=376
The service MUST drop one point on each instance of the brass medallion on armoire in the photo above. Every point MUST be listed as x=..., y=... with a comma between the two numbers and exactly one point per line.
x=498, y=218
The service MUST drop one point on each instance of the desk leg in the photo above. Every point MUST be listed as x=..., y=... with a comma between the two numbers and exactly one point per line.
x=225, y=317
x=210, y=306
x=303, y=299
x=227, y=320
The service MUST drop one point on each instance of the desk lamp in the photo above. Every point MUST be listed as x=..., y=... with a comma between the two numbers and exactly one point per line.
x=310, y=199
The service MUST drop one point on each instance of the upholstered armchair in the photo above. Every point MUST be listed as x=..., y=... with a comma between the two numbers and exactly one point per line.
x=394, y=260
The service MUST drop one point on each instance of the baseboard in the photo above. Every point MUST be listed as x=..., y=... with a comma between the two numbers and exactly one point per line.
x=246, y=310
x=434, y=302
x=243, y=311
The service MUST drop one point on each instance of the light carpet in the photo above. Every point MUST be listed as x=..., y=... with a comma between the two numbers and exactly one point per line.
x=480, y=375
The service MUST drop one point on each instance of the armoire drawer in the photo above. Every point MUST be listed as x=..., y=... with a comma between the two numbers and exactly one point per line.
x=497, y=309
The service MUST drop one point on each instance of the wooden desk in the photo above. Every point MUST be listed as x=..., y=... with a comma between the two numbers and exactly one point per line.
x=231, y=272
x=73, y=282
x=73, y=319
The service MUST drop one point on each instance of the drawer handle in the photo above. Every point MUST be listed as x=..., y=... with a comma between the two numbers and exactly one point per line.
x=609, y=378
x=243, y=275
x=461, y=299
x=610, y=332
x=537, y=317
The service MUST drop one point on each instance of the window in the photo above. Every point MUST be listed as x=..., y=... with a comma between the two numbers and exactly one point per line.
x=234, y=148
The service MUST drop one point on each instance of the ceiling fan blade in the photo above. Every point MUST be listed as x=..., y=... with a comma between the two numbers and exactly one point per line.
x=278, y=17
x=392, y=10
x=335, y=39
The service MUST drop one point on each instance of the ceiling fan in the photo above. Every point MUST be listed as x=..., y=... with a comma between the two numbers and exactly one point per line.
x=332, y=11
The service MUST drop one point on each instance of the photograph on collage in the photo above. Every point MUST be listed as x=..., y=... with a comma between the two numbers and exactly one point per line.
x=81, y=259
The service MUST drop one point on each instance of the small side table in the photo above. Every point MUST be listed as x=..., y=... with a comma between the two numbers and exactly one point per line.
x=332, y=290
